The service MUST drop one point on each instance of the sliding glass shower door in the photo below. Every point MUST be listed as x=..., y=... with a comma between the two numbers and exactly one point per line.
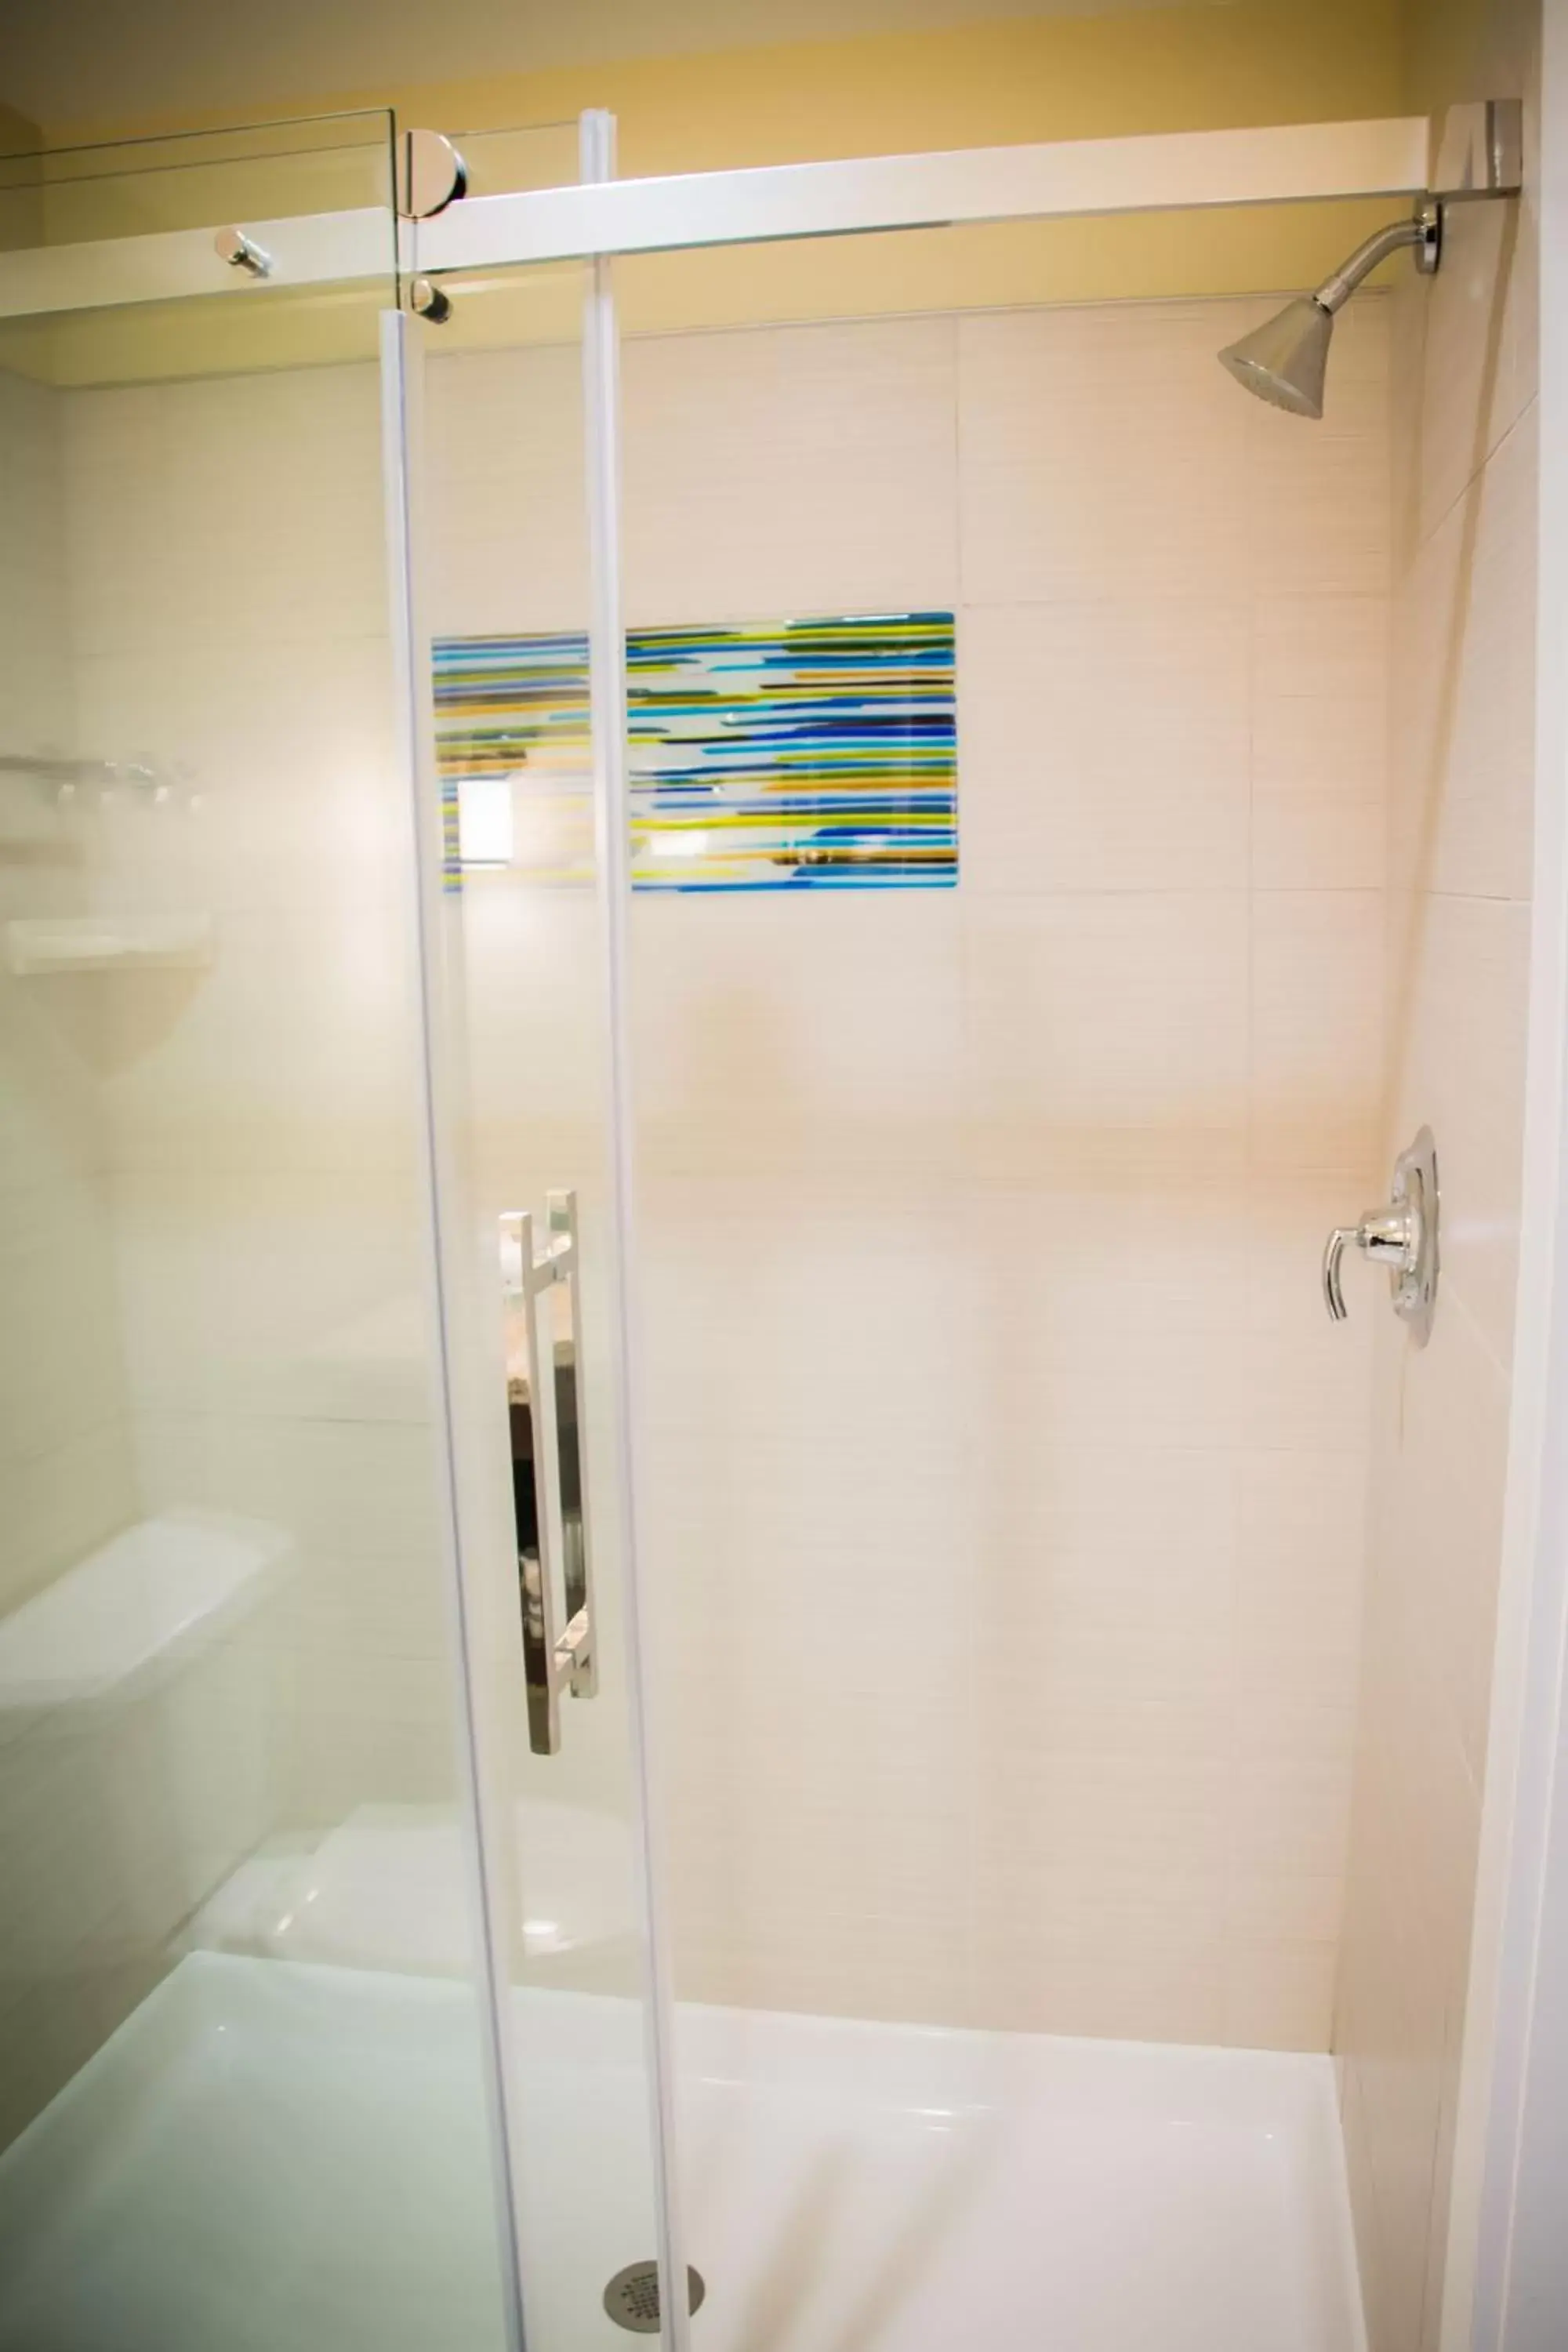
x=321, y=2009
x=500, y=420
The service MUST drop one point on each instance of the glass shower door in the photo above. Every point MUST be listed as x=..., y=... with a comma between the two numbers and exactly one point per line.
x=247, y=2090
x=501, y=413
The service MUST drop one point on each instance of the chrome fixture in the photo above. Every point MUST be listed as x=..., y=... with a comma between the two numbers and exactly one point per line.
x=1402, y=1235
x=431, y=175
x=427, y=301
x=550, y=1480
x=241, y=252
x=1477, y=150
x=1284, y=360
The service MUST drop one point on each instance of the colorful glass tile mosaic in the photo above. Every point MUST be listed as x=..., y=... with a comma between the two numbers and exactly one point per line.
x=806, y=754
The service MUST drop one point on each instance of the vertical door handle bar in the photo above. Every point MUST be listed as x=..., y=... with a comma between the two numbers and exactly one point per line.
x=577, y=1547
x=555, y=1586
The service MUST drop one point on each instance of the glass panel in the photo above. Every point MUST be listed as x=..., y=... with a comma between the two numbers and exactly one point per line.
x=501, y=161
x=273, y=171
x=242, y=2090
x=96, y=195
x=507, y=566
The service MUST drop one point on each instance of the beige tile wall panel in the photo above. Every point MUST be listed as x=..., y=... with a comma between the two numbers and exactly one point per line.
x=1461, y=790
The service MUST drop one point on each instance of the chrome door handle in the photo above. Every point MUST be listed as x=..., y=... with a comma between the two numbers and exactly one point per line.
x=556, y=1592
x=1402, y=1235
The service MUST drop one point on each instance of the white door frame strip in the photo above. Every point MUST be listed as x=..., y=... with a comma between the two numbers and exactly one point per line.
x=1163, y=172
x=607, y=727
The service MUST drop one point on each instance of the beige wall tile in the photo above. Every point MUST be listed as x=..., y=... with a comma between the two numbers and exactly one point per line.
x=1457, y=1013
x=1460, y=862
x=1478, y=375
x=1103, y=747
x=158, y=512
x=51, y=1113
x=1484, y=839
x=1319, y=753
x=1279, y=1995
x=1110, y=1029
x=823, y=1028
x=946, y=1200
x=769, y=474
x=60, y=1366
x=1449, y=1460
x=1090, y=1337
x=1065, y=491
x=534, y=1003
x=1321, y=494
x=1299, y=1586
x=1317, y=1046
x=1464, y=670
x=843, y=1333
x=508, y=511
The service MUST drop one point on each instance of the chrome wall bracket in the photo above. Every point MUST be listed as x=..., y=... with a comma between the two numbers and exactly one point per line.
x=1402, y=1235
x=550, y=1470
x=1477, y=150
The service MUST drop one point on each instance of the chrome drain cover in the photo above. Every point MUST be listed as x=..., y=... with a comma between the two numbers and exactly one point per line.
x=632, y=2296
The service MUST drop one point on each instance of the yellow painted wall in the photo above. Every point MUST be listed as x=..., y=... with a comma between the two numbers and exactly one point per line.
x=21, y=215
x=1455, y=49
x=1021, y=78
x=18, y=135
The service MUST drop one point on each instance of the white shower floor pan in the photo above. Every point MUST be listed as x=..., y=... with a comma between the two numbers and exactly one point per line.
x=277, y=2156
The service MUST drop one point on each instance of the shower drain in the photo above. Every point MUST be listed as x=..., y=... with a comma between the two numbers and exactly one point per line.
x=632, y=2296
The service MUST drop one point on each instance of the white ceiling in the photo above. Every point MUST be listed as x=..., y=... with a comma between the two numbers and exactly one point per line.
x=106, y=60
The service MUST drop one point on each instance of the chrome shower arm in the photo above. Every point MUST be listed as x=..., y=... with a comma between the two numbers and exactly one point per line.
x=1424, y=231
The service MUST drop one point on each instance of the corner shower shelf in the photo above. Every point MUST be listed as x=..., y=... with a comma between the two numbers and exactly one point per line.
x=109, y=943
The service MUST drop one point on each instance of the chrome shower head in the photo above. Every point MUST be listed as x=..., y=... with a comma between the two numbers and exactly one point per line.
x=1283, y=361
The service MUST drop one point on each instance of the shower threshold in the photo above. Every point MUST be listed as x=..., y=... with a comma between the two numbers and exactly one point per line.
x=293, y=2155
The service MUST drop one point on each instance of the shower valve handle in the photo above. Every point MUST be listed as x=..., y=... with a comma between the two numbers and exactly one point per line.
x=1390, y=1234
x=1401, y=1236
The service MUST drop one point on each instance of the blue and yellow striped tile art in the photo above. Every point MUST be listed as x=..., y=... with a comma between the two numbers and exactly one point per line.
x=805, y=755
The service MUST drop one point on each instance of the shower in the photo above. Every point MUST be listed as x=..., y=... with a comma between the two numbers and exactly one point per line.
x=1283, y=361
x=486, y=1193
